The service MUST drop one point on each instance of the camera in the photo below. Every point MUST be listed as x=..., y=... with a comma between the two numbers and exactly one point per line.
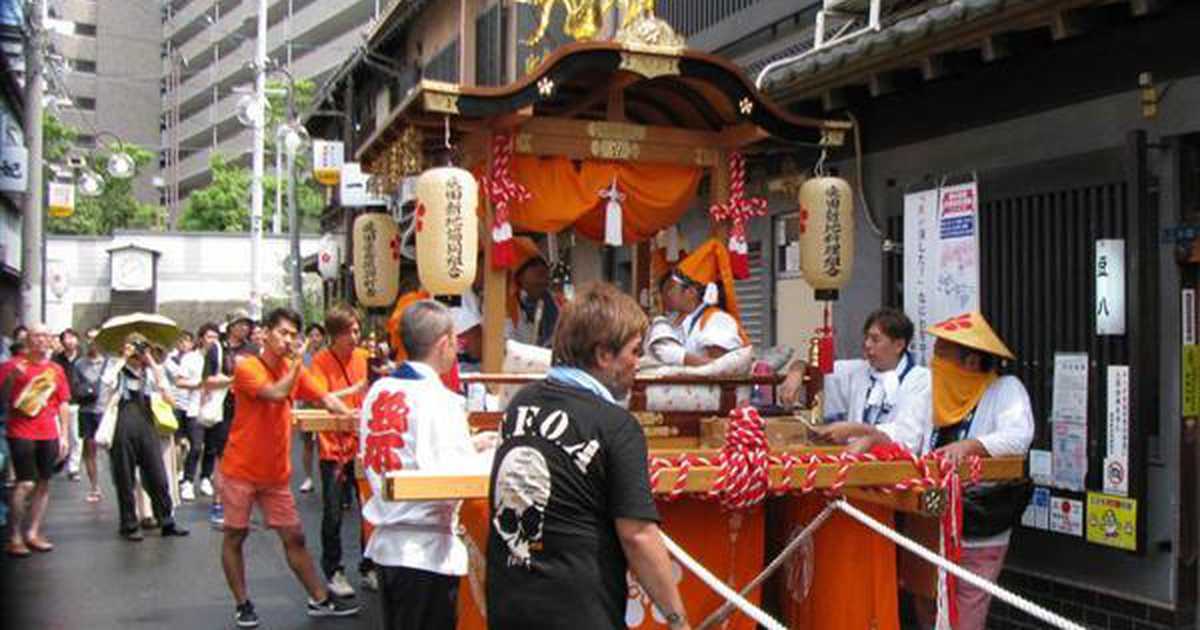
x=141, y=347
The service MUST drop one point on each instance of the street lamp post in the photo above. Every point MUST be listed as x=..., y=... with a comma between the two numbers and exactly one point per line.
x=292, y=136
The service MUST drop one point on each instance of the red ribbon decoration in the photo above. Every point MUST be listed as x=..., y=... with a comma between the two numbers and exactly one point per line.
x=737, y=211
x=502, y=190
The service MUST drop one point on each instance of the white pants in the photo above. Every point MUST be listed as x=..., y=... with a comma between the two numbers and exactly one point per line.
x=74, y=444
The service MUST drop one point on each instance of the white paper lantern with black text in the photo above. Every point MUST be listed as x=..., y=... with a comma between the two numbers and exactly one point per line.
x=447, y=230
x=826, y=235
x=376, y=259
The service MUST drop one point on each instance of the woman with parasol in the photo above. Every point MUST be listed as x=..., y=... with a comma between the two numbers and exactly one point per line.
x=129, y=385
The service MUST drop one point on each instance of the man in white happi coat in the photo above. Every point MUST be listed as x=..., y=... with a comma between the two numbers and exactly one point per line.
x=411, y=421
x=883, y=397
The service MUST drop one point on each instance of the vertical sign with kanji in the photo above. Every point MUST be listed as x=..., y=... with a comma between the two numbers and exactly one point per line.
x=1110, y=286
x=920, y=248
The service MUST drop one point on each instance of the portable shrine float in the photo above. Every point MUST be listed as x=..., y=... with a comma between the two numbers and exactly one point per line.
x=642, y=121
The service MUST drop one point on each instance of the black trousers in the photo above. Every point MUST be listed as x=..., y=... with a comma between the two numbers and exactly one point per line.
x=337, y=488
x=418, y=600
x=136, y=446
x=207, y=445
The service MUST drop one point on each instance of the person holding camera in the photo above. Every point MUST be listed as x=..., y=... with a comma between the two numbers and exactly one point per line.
x=85, y=388
x=135, y=443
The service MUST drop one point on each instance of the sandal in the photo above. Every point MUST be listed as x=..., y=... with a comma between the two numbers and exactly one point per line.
x=39, y=544
x=93, y=496
x=17, y=550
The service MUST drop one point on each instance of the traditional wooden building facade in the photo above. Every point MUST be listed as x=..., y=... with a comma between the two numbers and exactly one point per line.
x=1080, y=121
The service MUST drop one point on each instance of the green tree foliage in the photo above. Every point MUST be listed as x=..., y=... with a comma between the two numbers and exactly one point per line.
x=116, y=207
x=224, y=204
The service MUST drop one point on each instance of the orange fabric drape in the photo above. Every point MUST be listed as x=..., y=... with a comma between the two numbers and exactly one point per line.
x=656, y=195
x=853, y=583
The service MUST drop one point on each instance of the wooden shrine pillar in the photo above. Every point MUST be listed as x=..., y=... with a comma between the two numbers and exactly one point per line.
x=719, y=192
x=495, y=287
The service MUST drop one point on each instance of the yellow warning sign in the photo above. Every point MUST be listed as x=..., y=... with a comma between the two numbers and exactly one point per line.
x=1112, y=521
x=1191, y=380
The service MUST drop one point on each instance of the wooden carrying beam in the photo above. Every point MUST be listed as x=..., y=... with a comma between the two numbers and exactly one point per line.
x=419, y=486
x=318, y=420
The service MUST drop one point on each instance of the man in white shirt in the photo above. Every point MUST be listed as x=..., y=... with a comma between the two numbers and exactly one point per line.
x=701, y=290
x=883, y=397
x=411, y=421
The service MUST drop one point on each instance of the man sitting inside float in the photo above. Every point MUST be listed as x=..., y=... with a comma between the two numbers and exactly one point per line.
x=705, y=325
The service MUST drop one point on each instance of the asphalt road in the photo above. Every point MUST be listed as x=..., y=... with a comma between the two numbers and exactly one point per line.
x=94, y=579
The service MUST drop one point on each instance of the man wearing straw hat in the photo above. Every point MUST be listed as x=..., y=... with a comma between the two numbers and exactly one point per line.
x=572, y=508
x=976, y=411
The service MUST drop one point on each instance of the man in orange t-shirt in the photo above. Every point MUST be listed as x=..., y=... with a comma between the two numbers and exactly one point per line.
x=342, y=369
x=256, y=465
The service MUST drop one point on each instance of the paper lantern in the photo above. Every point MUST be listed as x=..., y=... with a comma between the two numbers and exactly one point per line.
x=376, y=259
x=447, y=230
x=826, y=235
x=329, y=257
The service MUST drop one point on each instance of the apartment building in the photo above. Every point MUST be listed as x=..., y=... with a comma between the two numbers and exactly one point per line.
x=104, y=72
x=207, y=49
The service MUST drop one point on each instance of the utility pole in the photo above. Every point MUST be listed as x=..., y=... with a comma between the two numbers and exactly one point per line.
x=256, y=180
x=33, y=307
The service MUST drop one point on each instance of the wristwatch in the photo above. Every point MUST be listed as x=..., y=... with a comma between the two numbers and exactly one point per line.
x=674, y=620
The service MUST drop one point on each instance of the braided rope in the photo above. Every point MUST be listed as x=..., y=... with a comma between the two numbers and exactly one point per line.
x=502, y=190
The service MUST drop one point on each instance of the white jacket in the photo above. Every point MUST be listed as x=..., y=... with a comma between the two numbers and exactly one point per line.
x=899, y=401
x=431, y=423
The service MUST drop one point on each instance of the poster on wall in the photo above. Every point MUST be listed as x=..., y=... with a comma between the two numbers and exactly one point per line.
x=1066, y=516
x=1190, y=382
x=1112, y=521
x=1116, y=457
x=1069, y=399
x=1037, y=513
x=941, y=258
x=1069, y=445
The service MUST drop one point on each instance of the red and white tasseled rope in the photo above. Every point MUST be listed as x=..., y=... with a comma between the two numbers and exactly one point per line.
x=502, y=190
x=744, y=476
x=738, y=210
x=744, y=463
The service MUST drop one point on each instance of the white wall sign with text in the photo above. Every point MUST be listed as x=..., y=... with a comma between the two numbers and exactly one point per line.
x=941, y=258
x=1116, y=459
x=1110, y=286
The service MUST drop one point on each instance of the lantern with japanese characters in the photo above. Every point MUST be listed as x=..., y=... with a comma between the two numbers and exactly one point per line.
x=447, y=230
x=376, y=259
x=826, y=235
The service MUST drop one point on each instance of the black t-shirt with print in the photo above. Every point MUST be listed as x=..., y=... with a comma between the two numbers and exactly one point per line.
x=569, y=465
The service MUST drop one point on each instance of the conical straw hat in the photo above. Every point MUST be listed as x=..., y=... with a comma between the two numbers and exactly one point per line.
x=973, y=331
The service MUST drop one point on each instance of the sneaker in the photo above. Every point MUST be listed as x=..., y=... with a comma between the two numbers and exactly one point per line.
x=340, y=586
x=73, y=476
x=206, y=487
x=307, y=486
x=332, y=607
x=370, y=580
x=187, y=491
x=216, y=516
x=244, y=616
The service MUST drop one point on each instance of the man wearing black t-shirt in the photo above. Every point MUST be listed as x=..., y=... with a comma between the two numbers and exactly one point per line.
x=571, y=502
